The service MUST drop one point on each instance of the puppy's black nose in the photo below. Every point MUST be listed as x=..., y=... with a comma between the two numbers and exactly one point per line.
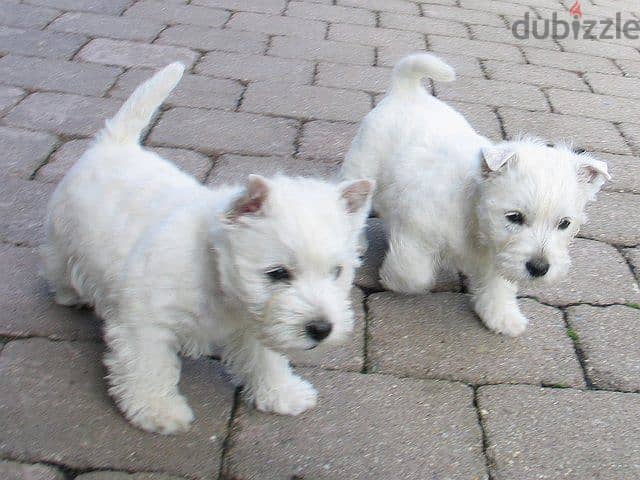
x=318, y=329
x=537, y=267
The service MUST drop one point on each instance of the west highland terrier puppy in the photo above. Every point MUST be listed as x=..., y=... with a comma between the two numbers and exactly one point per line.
x=500, y=213
x=173, y=267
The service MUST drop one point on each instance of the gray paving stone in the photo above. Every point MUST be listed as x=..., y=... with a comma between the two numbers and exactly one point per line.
x=348, y=356
x=535, y=433
x=602, y=49
x=304, y=101
x=476, y=48
x=204, y=38
x=377, y=37
x=598, y=275
x=625, y=172
x=588, y=133
x=614, y=85
x=26, y=307
x=499, y=7
x=608, y=339
x=325, y=50
x=631, y=133
x=23, y=471
x=63, y=113
x=614, y=218
x=432, y=26
x=131, y=54
x=192, y=91
x=462, y=15
x=96, y=25
x=367, y=275
x=260, y=6
x=22, y=207
x=236, y=168
x=111, y=475
x=633, y=256
x=40, y=44
x=438, y=336
x=505, y=35
x=217, y=131
x=399, y=6
x=172, y=13
x=482, y=118
x=75, y=390
x=23, y=151
x=9, y=96
x=26, y=16
x=493, y=92
x=255, y=67
x=614, y=109
x=534, y=75
x=58, y=75
x=113, y=7
x=380, y=426
x=188, y=161
x=330, y=140
x=331, y=13
x=629, y=67
x=577, y=62
x=371, y=79
x=62, y=160
x=275, y=25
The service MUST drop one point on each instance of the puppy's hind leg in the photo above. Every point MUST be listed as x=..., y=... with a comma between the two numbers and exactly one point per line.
x=410, y=264
x=55, y=270
x=143, y=373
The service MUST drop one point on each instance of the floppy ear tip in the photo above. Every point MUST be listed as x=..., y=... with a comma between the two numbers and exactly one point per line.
x=356, y=193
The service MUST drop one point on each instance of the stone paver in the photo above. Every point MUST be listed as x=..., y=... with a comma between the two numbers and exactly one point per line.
x=224, y=131
x=438, y=336
x=236, y=168
x=63, y=113
x=22, y=471
x=76, y=392
x=588, y=133
x=24, y=151
x=598, y=275
x=27, y=309
x=380, y=426
x=130, y=54
x=526, y=424
x=280, y=86
x=608, y=337
x=57, y=75
x=614, y=218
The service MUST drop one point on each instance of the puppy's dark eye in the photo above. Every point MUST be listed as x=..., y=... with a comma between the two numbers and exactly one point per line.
x=515, y=217
x=564, y=224
x=279, y=274
x=337, y=271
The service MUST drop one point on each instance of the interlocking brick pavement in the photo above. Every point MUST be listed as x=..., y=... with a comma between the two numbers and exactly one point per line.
x=422, y=389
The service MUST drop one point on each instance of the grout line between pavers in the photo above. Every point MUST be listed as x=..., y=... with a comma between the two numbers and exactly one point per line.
x=226, y=443
x=488, y=461
x=366, y=366
x=580, y=354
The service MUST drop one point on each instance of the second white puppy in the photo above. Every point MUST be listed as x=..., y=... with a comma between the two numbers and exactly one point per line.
x=174, y=267
x=501, y=213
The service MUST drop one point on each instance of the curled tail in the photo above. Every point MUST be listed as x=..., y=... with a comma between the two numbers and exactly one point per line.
x=409, y=71
x=132, y=118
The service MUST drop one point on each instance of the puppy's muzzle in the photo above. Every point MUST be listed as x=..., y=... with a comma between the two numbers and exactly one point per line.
x=537, y=267
x=318, y=330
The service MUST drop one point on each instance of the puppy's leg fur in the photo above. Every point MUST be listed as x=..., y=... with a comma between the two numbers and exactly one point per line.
x=496, y=303
x=144, y=370
x=269, y=383
x=55, y=267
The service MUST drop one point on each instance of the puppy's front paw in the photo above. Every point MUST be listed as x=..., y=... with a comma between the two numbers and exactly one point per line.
x=166, y=415
x=291, y=398
x=502, y=319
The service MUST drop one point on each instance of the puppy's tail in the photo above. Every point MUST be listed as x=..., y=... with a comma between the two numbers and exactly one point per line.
x=409, y=71
x=132, y=118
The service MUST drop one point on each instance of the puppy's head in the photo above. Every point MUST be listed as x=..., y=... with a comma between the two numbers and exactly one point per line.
x=531, y=204
x=291, y=249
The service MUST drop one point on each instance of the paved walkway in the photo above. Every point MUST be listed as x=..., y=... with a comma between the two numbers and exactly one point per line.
x=423, y=391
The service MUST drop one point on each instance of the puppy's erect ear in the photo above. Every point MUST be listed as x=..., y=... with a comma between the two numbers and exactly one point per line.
x=495, y=157
x=252, y=200
x=592, y=173
x=357, y=194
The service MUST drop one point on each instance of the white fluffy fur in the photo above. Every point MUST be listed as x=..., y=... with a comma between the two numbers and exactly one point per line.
x=444, y=190
x=174, y=267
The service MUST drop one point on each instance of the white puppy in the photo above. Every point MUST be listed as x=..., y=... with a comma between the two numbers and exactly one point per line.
x=174, y=267
x=501, y=213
